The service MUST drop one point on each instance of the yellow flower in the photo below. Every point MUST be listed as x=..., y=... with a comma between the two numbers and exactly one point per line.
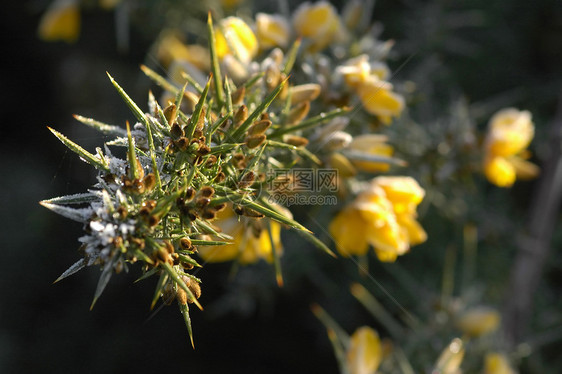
x=272, y=31
x=109, y=4
x=371, y=144
x=378, y=99
x=478, y=321
x=510, y=131
x=318, y=22
x=499, y=171
x=170, y=49
x=235, y=37
x=251, y=241
x=450, y=360
x=365, y=353
x=230, y=3
x=357, y=70
x=404, y=193
x=497, y=363
x=61, y=22
x=350, y=230
x=382, y=216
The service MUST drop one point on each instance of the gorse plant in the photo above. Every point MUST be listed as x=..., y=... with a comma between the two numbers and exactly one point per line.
x=282, y=111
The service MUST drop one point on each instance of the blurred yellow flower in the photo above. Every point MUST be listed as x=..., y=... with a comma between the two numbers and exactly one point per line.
x=109, y=4
x=230, y=3
x=378, y=99
x=251, y=241
x=478, y=321
x=450, y=360
x=170, y=49
x=371, y=144
x=60, y=22
x=272, y=31
x=510, y=131
x=235, y=37
x=318, y=22
x=365, y=353
x=382, y=216
x=497, y=363
x=357, y=70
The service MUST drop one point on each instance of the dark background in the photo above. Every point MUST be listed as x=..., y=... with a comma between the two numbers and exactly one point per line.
x=513, y=56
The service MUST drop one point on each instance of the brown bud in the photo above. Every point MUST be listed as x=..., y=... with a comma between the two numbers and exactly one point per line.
x=259, y=127
x=153, y=220
x=247, y=179
x=202, y=202
x=168, y=294
x=304, y=92
x=138, y=242
x=220, y=207
x=211, y=161
x=149, y=181
x=220, y=177
x=181, y=295
x=264, y=116
x=240, y=115
x=207, y=191
x=170, y=112
x=298, y=112
x=297, y=141
x=193, y=286
x=249, y=212
x=192, y=214
x=189, y=101
x=203, y=150
x=122, y=211
x=182, y=143
x=162, y=254
x=201, y=121
x=272, y=77
x=189, y=194
x=137, y=186
x=197, y=134
x=254, y=141
x=176, y=131
x=185, y=243
x=149, y=204
x=169, y=246
x=238, y=95
x=118, y=267
x=209, y=213
x=239, y=160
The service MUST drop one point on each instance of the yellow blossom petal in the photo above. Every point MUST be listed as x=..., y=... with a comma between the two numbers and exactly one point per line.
x=319, y=22
x=378, y=99
x=365, y=352
x=499, y=171
x=373, y=145
x=509, y=132
x=61, y=22
x=170, y=48
x=343, y=165
x=235, y=37
x=524, y=169
x=479, y=321
x=349, y=230
x=415, y=232
x=404, y=193
x=272, y=31
x=496, y=363
x=451, y=358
